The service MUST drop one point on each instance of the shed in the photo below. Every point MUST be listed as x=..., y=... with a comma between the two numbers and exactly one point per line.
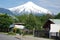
x=53, y=26
x=17, y=25
x=49, y=22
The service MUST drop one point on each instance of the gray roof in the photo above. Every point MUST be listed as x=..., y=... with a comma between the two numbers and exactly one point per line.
x=11, y=26
x=56, y=21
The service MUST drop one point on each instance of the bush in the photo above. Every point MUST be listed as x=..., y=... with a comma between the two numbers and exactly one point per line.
x=12, y=33
x=17, y=30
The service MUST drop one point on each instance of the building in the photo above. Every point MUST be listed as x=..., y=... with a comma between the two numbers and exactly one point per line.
x=17, y=25
x=49, y=22
x=53, y=26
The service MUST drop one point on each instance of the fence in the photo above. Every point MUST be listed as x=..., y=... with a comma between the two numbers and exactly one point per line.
x=46, y=34
x=54, y=35
x=4, y=30
x=41, y=33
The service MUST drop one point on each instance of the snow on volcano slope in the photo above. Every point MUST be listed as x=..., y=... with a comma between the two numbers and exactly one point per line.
x=29, y=7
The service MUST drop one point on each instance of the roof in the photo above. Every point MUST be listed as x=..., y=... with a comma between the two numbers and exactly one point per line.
x=12, y=25
x=19, y=26
x=56, y=21
x=18, y=23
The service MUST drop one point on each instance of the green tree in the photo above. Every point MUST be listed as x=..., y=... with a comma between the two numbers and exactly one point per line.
x=30, y=22
x=22, y=18
x=57, y=16
x=5, y=21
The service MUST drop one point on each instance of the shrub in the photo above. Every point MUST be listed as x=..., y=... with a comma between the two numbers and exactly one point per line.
x=12, y=33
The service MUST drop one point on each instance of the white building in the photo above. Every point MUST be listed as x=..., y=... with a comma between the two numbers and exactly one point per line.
x=55, y=28
x=17, y=25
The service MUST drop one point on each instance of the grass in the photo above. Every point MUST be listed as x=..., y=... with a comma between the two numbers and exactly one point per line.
x=8, y=33
x=4, y=32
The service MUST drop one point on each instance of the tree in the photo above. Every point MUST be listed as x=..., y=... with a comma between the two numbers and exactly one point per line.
x=5, y=21
x=22, y=18
x=30, y=22
x=57, y=16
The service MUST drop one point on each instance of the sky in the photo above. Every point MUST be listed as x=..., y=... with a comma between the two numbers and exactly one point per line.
x=52, y=5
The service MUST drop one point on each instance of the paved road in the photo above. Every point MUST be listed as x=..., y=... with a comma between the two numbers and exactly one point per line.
x=7, y=37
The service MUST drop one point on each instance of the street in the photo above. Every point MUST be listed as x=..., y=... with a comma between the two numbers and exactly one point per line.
x=7, y=37
x=11, y=37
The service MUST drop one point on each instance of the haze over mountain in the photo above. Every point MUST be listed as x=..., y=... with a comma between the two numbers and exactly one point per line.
x=8, y=12
x=3, y=10
x=29, y=7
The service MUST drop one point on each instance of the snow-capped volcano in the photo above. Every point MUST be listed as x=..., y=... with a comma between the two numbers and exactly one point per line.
x=29, y=7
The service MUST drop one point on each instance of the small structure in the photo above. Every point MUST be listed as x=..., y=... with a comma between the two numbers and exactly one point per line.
x=17, y=25
x=47, y=25
x=53, y=26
